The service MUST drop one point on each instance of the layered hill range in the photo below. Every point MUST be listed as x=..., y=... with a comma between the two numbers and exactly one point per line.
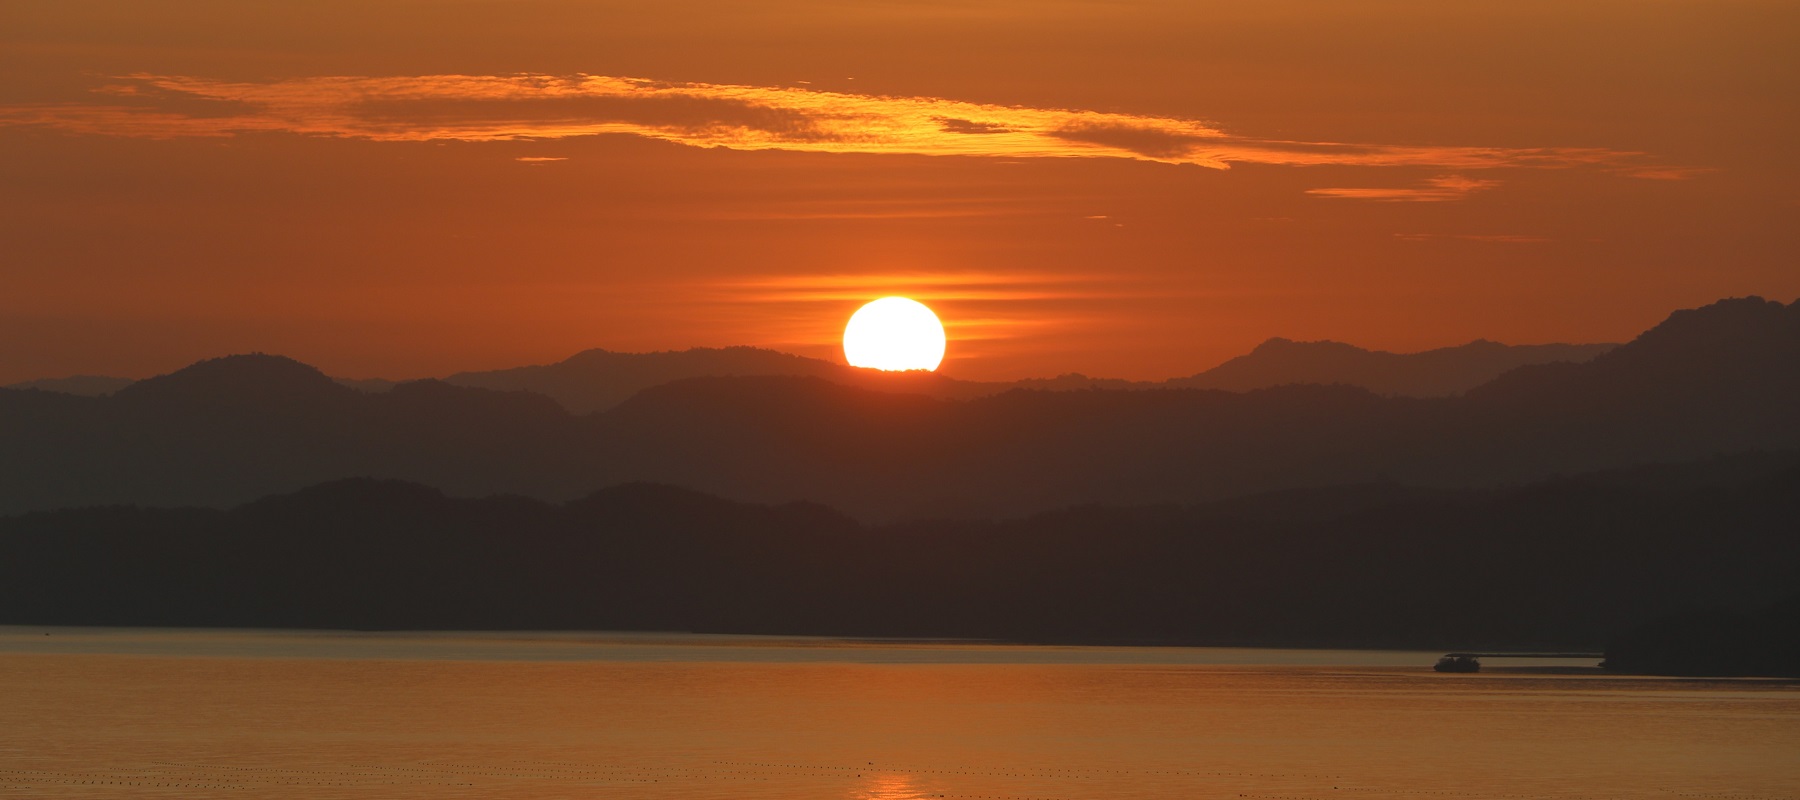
x=596, y=380
x=1720, y=379
x=1578, y=563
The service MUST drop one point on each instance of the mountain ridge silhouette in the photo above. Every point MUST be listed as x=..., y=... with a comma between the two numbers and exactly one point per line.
x=1718, y=379
x=596, y=379
x=1439, y=372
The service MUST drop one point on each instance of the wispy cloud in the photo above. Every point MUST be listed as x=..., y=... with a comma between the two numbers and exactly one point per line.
x=1497, y=238
x=1664, y=173
x=526, y=107
x=879, y=208
x=928, y=287
x=1443, y=187
x=808, y=310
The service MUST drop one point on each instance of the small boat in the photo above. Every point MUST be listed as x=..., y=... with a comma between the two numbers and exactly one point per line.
x=1458, y=663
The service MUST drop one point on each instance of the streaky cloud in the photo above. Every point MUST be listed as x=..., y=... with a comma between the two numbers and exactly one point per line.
x=481, y=108
x=1498, y=238
x=1443, y=187
x=962, y=286
x=1665, y=173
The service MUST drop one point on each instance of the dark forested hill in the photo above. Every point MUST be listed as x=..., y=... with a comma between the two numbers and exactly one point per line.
x=1714, y=642
x=1571, y=562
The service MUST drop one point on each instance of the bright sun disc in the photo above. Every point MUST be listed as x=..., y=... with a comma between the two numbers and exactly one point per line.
x=894, y=333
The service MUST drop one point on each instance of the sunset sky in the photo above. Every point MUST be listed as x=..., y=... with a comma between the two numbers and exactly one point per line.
x=1126, y=189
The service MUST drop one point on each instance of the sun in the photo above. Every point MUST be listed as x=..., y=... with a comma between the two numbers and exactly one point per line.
x=894, y=333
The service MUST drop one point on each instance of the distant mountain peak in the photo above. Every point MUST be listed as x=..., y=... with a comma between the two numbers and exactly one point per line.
x=1736, y=330
x=1742, y=341
x=1276, y=344
x=1441, y=372
x=1731, y=318
x=601, y=353
x=236, y=378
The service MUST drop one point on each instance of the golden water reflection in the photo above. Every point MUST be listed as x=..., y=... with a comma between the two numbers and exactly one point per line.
x=892, y=786
x=205, y=715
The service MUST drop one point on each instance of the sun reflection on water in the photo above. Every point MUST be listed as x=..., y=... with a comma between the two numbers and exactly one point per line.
x=891, y=786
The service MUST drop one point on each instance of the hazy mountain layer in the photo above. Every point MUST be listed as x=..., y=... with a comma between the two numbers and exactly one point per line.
x=1724, y=378
x=79, y=385
x=596, y=380
x=1432, y=373
x=1567, y=563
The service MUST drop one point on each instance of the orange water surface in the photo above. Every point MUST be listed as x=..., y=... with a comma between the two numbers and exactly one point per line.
x=100, y=713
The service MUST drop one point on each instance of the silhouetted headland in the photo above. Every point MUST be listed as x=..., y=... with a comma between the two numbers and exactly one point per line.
x=1715, y=643
x=1471, y=662
x=1457, y=662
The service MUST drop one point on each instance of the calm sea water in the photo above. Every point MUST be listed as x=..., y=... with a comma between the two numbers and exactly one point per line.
x=188, y=714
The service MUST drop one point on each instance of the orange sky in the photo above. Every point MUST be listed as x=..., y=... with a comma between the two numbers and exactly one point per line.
x=402, y=188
